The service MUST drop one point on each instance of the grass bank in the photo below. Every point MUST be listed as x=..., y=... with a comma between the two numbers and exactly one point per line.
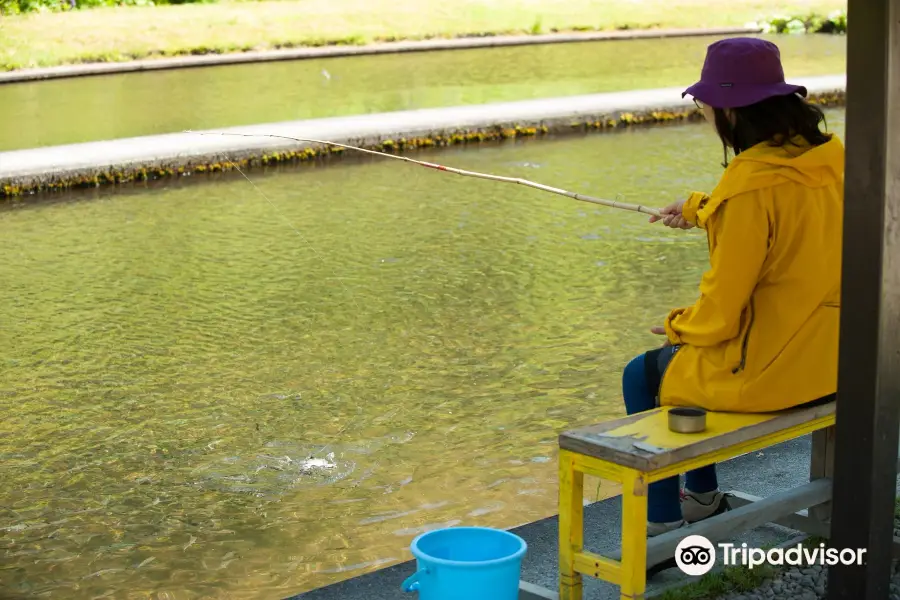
x=131, y=32
x=731, y=580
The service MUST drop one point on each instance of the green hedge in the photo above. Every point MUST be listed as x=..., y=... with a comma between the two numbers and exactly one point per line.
x=12, y=7
x=836, y=22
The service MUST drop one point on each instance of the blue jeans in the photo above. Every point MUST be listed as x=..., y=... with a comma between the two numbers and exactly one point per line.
x=663, y=501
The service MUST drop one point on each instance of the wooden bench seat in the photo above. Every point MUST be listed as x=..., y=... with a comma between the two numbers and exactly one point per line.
x=643, y=441
x=639, y=449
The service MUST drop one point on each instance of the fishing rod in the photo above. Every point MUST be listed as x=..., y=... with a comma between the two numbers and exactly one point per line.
x=517, y=180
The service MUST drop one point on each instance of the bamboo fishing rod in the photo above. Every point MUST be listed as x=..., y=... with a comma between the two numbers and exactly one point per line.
x=538, y=186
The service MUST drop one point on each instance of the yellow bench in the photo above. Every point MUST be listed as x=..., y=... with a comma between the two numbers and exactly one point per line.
x=640, y=449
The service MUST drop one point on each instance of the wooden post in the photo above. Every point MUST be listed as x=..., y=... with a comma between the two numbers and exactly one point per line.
x=865, y=465
x=822, y=466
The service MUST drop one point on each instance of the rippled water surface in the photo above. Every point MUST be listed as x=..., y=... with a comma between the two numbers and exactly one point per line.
x=208, y=395
x=95, y=108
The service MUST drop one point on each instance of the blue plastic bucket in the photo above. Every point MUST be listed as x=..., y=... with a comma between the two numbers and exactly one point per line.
x=470, y=563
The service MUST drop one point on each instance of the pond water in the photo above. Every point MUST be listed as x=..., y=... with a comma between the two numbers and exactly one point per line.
x=215, y=391
x=133, y=104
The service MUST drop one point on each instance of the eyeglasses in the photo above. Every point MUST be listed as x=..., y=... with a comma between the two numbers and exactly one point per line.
x=699, y=104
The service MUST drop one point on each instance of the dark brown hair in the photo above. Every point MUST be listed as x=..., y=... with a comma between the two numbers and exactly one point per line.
x=775, y=120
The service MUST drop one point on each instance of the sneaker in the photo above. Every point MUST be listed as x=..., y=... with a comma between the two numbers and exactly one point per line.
x=658, y=568
x=655, y=529
x=696, y=507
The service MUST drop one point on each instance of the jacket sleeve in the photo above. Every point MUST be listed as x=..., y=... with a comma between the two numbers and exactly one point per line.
x=739, y=236
x=690, y=207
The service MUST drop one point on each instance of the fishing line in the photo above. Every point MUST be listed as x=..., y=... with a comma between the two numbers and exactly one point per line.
x=316, y=252
x=297, y=231
x=319, y=256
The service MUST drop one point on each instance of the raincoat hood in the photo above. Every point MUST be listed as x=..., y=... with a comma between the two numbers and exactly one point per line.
x=765, y=166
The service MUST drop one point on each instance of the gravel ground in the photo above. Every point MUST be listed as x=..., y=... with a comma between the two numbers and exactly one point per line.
x=802, y=583
x=806, y=583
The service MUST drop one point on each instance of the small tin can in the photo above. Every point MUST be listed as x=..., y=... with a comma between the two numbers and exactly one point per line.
x=687, y=420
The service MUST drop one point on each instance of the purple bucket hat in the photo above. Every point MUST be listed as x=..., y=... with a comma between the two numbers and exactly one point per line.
x=739, y=72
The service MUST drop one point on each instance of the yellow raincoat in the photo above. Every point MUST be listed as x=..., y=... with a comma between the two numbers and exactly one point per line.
x=763, y=335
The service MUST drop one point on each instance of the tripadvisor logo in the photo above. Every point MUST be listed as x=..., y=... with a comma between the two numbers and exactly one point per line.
x=795, y=556
x=695, y=555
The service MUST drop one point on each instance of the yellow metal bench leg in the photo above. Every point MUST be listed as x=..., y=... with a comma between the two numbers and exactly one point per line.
x=571, y=526
x=634, y=536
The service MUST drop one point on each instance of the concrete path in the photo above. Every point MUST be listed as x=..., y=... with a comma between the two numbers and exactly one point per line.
x=461, y=43
x=762, y=474
x=59, y=166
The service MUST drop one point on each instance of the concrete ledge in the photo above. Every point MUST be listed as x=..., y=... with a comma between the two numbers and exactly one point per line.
x=153, y=157
x=800, y=520
x=460, y=43
x=529, y=591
